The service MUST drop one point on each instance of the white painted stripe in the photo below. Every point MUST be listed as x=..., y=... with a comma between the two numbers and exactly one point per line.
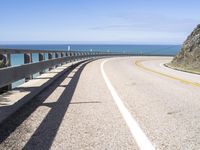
x=137, y=133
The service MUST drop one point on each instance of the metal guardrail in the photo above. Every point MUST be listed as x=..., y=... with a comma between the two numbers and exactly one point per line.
x=10, y=74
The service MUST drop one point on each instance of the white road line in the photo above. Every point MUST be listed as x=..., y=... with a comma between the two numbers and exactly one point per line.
x=137, y=133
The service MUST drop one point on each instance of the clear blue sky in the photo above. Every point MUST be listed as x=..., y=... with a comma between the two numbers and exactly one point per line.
x=98, y=21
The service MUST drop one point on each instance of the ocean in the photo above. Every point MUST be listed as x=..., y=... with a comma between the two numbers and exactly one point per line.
x=136, y=49
x=17, y=59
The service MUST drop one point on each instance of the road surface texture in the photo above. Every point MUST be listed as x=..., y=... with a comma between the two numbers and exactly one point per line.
x=87, y=108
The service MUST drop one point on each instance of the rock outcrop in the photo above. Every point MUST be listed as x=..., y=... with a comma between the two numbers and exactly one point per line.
x=188, y=58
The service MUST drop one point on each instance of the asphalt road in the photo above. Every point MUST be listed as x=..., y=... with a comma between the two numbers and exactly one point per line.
x=117, y=103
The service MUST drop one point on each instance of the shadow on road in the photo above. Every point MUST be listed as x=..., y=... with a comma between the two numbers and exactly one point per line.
x=44, y=135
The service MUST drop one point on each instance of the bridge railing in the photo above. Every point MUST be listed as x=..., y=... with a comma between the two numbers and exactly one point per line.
x=9, y=74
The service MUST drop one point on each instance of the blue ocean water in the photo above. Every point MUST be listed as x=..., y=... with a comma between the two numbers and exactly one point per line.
x=17, y=59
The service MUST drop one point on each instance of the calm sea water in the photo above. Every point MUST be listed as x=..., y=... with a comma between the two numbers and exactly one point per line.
x=141, y=49
x=17, y=59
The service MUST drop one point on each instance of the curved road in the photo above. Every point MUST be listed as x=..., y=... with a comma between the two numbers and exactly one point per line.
x=117, y=103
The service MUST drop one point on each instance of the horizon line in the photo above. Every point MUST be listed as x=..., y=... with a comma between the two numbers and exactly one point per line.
x=84, y=43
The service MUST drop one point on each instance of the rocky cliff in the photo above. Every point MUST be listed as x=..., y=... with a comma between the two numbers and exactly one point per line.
x=188, y=58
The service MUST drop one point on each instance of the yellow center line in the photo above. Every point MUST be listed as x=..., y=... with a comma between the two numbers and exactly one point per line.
x=138, y=63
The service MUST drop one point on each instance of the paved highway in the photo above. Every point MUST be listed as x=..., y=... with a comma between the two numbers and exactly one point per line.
x=116, y=103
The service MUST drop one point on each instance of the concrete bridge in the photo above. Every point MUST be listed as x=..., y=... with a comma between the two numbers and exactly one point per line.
x=95, y=100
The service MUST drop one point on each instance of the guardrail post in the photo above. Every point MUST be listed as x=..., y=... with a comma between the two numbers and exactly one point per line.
x=82, y=55
x=62, y=55
x=41, y=58
x=50, y=56
x=67, y=55
x=56, y=56
x=78, y=55
x=70, y=57
x=28, y=59
x=73, y=56
x=5, y=61
x=9, y=64
x=88, y=55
